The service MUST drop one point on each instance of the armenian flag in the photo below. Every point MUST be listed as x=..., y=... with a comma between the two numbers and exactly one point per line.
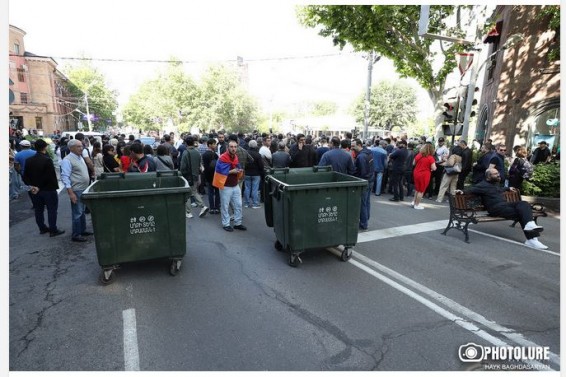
x=223, y=167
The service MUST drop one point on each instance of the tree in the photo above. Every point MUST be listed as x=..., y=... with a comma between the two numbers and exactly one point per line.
x=88, y=87
x=170, y=97
x=392, y=31
x=391, y=104
x=218, y=101
x=223, y=103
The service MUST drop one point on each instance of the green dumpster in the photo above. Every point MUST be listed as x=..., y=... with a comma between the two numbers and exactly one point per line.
x=313, y=208
x=136, y=217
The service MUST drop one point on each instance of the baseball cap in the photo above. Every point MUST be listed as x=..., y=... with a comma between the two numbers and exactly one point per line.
x=25, y=143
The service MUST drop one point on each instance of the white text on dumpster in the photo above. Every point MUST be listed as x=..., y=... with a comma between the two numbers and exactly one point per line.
x=142, y=224
x=327, y=214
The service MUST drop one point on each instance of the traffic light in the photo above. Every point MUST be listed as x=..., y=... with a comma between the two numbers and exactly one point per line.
x=473, y=109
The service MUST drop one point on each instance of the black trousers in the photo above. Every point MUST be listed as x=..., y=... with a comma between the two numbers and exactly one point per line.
x=396, y=178
x=517, y=210
x=48, y=199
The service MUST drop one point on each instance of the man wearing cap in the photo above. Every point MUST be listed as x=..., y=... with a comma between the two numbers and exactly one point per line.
x=76, y=178
x=40, y=174
x=540, y=155
x=21, y=157
x=20, y=161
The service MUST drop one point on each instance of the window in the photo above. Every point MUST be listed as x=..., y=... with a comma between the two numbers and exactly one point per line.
x=23, y=97
x=21, y=77
x=493, y=59
x=16, y=49
x=38, y=123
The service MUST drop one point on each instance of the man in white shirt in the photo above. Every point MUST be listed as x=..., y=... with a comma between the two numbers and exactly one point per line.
x=75, y=177
x=264, y=151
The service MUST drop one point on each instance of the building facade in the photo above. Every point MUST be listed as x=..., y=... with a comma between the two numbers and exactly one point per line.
x=40, y=100
x=520, y=98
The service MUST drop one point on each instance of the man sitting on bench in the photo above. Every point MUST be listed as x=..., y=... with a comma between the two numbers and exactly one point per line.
x=492, y=198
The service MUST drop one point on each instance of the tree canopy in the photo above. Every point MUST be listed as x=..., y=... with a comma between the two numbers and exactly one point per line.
x=392, y=32
x=88, y=84
x=218, y=101
x=391, y=104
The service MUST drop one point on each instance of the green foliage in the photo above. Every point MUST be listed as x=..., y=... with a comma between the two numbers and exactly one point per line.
x=217, y=102
x=86, y=79
x=552, y=13
x=390, y=30
x=544, y=182
x=391, y=104
x=323, y=108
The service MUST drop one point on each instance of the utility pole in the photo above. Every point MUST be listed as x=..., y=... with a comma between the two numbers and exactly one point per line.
x=88, y=114
x=371, y=61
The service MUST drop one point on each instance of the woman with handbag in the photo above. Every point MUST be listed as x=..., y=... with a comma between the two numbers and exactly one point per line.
x=452, y=168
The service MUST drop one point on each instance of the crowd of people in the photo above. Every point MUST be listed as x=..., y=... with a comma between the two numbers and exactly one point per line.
x=228, y=169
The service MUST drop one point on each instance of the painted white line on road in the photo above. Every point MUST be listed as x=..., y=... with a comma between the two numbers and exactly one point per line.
x=399, y=231
x=379, y=234
x=131, y=354
x=515, y=242
x=454, y=306
x=467, y=325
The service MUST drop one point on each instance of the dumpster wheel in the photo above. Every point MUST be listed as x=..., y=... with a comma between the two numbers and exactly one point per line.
x=175, y=267
x=346, y=254
x=294, y=260
x=106, y=277
x=278, y=246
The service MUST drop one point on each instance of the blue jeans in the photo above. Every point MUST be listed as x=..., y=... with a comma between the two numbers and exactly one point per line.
x=231, y=195
x=251, y=190
x=378, y=181
x=365, y=206
x=78, y=214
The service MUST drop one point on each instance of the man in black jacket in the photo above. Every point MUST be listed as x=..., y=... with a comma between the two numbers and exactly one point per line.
x=491, y=194
x=40, y=174
x=398, y=157
x=466, y=163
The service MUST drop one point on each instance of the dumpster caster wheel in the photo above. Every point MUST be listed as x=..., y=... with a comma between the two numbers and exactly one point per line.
x=106, y=277
x=294, y=260
x=346, y=254
x=278, y=246
x=175, y=267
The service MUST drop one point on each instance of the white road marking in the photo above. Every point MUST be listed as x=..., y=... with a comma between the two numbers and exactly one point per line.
x=131, y=354
x=467, y=325
x=379, y=234
x=452, y=305
x=514, y=242
x=399, y=231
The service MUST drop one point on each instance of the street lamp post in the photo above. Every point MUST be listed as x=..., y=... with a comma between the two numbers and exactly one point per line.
x=371, y=61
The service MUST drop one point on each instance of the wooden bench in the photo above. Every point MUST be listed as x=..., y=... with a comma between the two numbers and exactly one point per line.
x=468, y=208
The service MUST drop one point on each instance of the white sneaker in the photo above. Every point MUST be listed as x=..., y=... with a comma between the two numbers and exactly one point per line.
x=418, y=207
x=193, y=204
x=203, y=211
x=535, y=244
x=412, y=203
x=189, y=215
x=531, y=225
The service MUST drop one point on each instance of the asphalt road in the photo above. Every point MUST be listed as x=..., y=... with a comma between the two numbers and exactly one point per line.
x=406, y=301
